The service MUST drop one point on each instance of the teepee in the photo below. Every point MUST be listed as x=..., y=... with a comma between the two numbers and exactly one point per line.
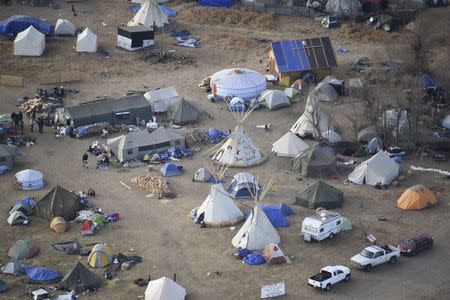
x=149, y=15
x=257, y=231
x=238, y=150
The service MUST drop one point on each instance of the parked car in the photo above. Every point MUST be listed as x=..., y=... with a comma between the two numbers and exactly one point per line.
x=328, y=276
x=416, y=244
x=375, y=255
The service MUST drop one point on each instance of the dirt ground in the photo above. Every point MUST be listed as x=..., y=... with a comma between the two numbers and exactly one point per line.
x=160, y=231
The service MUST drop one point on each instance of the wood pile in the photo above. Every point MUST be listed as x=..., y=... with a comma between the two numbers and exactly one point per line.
x=205, y=84
x=35, y=104
x=155, y=184
x=199, y=136
x=156, y=56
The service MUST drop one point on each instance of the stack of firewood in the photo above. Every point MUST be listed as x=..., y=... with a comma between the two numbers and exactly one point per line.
x=35, y=104
x=154, y=184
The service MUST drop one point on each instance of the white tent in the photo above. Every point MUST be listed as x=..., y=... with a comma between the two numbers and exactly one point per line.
x=149, y=15
x=257, y=232
x=289, y=145
x=243, y=185
x=395, y=117
x=377, y=169
x=238, y=150
x=30, y=179
x=219, y=209
x=29, y=42
x=244, y=83
x=162, y=99
x=87, y=41
x=164, y=289
x=65, y=27
x=446, y=122
x=325, y=92
x=274, y=99
x=332, y=136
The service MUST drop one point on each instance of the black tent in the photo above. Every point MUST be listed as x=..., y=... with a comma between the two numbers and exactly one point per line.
x=320, y=194
x=59, y=202
x=80, y=279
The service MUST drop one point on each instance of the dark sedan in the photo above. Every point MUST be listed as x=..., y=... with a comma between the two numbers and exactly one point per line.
x=416, y=244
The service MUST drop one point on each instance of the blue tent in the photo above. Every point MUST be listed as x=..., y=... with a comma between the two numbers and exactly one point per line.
x=38, y=273
x=274, y=214
x=27, y=201
x=168, y=11
x=286, y=210
x=169, y=169
x=216, y=3
x=16, y=24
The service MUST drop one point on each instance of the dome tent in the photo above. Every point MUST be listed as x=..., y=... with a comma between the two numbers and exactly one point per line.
x=65, y=27
x=16, y=217
x=274, y=99
x=244, y=83
x=86, y=41
x=59, y=225
x=332, y=136
x=416, y=197
x=101, y=256
x=29, y=42
x=30, y=179
x=325, y=92
x=164, y=289
x=243, y=185
x=23, y=249
x=202, y=175
x=237, y=104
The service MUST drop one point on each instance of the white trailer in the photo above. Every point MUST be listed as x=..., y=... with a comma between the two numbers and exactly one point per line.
x=325, y=224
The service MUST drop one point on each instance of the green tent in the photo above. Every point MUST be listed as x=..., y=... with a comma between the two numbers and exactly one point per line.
x=5, y=118
x=320, y=194
x=98, y=218
x=315, y=162
x=59, y=202
x=185, y=113
x=80, y=279
x=346, y=224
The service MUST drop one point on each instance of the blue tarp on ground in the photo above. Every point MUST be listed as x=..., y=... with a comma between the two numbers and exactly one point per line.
x=18, y=23
x=274, y=214
x=38, y=273
x=216, y=3
x=428, y=81
x=27, y=201
x=168, y=11
x=217, y=135
x=254, y=259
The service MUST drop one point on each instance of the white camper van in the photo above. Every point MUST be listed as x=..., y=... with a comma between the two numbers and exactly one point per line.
x=322, y=225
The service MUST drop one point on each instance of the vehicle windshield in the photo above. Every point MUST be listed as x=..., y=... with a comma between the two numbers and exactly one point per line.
x=409, y=242
x=366, y=253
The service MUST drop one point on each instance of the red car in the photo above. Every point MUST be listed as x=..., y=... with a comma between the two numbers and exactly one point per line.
x=416, y=244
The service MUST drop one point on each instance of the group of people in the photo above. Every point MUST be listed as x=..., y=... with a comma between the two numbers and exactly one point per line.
x=18, y=123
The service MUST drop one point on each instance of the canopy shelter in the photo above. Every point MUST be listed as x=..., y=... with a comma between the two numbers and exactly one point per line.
x=289, y=145
x=185, y=113
x=238, y=82
x=80, y=279
x=257, y=232
x=379, y=169
x=101, y=256
x=30, y=179
x=86, y=41
x=219, y=209
x=243, y=185
x=29, y=42
x=162, y=99
x=58, y=202
x=315, y=162
x=320, y=194
x=164, y=289
x=416, y=197
x=65, y=27
x=23, y=249
x=274, y=99
x=149, y=15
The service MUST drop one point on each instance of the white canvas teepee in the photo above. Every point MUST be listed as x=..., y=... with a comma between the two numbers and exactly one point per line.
x=289, y=145
x=219, y=209
x=87, y=41
x=29, y=42
x=164, y=289
x=149, y=15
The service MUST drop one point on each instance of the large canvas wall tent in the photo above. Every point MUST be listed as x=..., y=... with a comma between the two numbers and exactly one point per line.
x=29, y=42
x=149, y=15
x=379, y=169
x=87, y=41
x=238, y=82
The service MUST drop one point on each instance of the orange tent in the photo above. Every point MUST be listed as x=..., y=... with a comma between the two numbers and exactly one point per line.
x=416, y=197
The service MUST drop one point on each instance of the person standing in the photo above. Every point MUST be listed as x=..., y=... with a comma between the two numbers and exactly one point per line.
x=84, y=160
x=22, y=125
x=13, y=119
x=40, y=123
x=32, y=124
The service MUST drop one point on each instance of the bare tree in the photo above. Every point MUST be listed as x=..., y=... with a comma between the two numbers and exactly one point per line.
x=354, y=121
x=418, y=41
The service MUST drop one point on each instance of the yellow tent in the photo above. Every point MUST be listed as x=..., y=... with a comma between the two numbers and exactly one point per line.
x=100, y=257
x=416, y=197
x=59, y=225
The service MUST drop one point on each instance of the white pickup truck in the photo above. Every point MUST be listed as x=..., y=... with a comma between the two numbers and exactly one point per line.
x=375, y=255
x=328, y=276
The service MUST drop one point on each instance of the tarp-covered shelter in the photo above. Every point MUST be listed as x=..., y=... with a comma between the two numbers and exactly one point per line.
x=325, y=92
x=274, y=99
x=219, y=209
x=289, y=145
x=149, y=15
x=344, y=8
x=291, y=59
x=379, y=169
x=216, y=3
x=101, y=256
x=257, y=232
x=416, y=197
x=315, y=162
x=23, y=249
x=13, y=267
x=86, y=41
x=185, y=113
x=169, y=169
x=320, y=194
x=25, y=205
x=273, y=255
x=238, y=82
x=161, y=100
x=136, y=144
x=58, y=202
x=41, y=274
x=80, y=279
x=18, y=23
x=164, y=288
x=243, y=185
x=65, y=27
x=29, y=42
x=30, y=179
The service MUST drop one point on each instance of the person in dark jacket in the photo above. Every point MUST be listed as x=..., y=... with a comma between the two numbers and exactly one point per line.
x=84, y=160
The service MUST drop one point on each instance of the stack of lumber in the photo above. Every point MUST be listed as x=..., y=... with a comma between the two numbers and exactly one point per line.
x=155, y=184
x=35, y=104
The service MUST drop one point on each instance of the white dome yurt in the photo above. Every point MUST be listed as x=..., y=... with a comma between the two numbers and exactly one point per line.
x=87, y=41
x=29, y=42
x=238, y=82
x=30, y=179
x=65, y=27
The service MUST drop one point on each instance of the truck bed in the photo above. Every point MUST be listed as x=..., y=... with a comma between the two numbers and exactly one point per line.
x=320, y=277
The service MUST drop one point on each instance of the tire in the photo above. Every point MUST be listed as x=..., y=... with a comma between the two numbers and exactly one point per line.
x=368, y=268
x=328, y=287
x=331, y=236
x=393, y=260
x=348, y=277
